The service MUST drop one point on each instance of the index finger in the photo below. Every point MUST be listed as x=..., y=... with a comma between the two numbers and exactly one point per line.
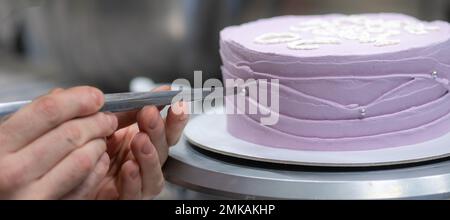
x=46, y=113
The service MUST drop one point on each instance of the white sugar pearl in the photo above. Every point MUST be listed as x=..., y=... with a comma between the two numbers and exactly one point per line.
x=363, y=112
x=434, y=74
x=276, y=38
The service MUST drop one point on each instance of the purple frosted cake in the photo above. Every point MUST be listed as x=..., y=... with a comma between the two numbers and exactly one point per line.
x=355, y=82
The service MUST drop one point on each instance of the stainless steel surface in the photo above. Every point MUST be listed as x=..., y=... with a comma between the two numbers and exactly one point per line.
x=220, y=176
x=120, y=102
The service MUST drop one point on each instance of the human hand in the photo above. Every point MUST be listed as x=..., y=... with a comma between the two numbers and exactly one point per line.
x=52, y=146
x=137, y=153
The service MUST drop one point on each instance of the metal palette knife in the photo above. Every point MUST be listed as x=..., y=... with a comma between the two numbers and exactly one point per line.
x=121, y=102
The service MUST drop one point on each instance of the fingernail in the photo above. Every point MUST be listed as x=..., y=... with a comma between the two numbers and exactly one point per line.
x=146, y=149
x=96, y=96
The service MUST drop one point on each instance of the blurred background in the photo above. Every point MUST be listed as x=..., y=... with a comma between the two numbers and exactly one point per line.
x=106, y=43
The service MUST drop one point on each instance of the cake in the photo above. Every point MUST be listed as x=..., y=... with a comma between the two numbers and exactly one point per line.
x=346, y=82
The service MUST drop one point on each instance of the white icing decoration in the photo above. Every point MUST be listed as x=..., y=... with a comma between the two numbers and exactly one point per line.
x=388, y=34
x=348, y=34
x=375, y=26
x=295, y=46
x=432, y=28
x=357, y=19
x=393, y=32
x=419, y=32
x=385, y=42
x=365, y=30
x=394, y=24
x=366, y=38
x=312, y=44
x=276, y=38
x=324, y=32
x=415, y=30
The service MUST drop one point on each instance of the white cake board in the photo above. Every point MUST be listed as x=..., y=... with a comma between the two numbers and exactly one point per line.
x=208, y=131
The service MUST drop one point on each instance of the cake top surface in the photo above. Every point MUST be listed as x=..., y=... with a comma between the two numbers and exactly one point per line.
x=337, y=34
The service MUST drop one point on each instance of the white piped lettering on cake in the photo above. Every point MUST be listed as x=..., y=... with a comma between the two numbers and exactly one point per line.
x=432, y=28
x=297, y=46
x=378, y=32
x=386, y=42
x=312, y=44
x=277, y=38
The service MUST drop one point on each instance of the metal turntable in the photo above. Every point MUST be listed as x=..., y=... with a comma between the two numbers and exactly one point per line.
x=222, y=175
